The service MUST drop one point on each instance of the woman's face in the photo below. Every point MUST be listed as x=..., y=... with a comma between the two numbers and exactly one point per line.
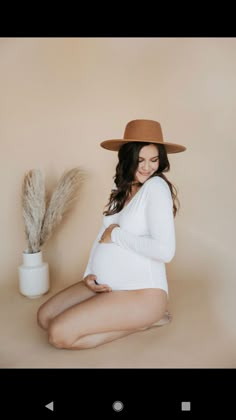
x=148, y=163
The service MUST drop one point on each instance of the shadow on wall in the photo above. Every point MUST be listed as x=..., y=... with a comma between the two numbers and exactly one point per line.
x=202, y=290
x=190, y=301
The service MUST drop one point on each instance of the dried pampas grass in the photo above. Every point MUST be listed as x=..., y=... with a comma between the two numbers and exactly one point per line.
x=34, y=206
x=40, y=218
x=61, y=201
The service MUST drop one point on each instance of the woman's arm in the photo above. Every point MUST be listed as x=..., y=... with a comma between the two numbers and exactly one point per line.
x=160, y=244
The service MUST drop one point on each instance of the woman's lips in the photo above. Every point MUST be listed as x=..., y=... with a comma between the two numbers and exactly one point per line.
x=143, y=174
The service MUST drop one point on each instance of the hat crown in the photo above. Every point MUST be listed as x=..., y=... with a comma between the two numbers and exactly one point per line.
x=143, y=130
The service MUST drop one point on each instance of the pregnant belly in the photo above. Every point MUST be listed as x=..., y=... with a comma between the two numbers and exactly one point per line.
x=118, y=267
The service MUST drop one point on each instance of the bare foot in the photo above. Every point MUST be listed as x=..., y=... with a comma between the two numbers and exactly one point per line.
x=166, y=319
x=163, y=321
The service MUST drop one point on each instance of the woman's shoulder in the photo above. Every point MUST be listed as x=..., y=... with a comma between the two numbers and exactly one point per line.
x=156, y=187
x=157, y=182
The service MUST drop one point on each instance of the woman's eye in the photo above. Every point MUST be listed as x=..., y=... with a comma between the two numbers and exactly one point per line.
x=153, y=161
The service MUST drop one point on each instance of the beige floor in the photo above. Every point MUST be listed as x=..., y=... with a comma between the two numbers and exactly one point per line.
x=193, y=339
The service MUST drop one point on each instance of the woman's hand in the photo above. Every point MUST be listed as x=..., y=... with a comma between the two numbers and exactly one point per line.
x=106, y=236
x=89, y=281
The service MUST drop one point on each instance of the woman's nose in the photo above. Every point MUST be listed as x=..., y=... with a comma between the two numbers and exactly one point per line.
x=146, y=165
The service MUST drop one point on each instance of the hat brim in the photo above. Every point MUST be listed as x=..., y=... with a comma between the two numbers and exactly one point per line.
x=115, y=144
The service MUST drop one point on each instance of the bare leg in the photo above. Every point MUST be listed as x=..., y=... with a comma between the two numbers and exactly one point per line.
x=107, y=316
x=95, y=340
x=60, y=302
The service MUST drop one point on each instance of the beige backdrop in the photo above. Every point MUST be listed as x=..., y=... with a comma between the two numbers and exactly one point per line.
x=61, y=97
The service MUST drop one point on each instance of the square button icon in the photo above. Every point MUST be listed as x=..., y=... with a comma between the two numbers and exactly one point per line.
x=185, y=406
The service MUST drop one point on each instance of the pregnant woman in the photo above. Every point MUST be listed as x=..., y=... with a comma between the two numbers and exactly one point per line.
x=124, y=288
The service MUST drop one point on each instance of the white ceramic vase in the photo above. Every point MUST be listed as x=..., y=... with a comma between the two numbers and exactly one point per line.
x=33, y=275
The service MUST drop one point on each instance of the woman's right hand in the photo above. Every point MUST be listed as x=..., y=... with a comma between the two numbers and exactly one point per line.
x=89, y=281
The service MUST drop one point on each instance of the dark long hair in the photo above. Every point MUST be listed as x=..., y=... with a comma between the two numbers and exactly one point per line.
x=128, y=157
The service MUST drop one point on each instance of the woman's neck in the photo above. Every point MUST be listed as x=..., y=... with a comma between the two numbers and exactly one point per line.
x=135, y=187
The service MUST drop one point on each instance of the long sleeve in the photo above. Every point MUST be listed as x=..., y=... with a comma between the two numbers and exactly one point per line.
x=88, y=268
x=160, y=243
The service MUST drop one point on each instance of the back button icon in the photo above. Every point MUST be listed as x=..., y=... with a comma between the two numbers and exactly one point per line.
x=50, y=406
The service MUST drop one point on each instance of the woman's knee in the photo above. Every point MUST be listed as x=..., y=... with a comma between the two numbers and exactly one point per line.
x=58, y=336
x=43, y=318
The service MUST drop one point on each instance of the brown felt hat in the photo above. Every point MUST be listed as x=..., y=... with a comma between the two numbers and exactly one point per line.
x=142, y=131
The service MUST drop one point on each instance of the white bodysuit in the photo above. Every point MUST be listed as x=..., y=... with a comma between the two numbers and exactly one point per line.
x=141, y=246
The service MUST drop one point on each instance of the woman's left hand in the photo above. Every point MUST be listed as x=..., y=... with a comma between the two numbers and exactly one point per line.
x=106, y=236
